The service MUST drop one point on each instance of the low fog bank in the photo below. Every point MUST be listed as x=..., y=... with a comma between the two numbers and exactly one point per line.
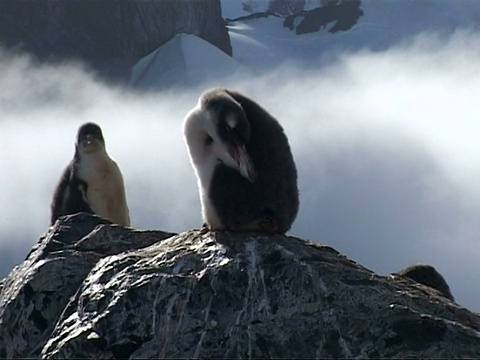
x=386, y=145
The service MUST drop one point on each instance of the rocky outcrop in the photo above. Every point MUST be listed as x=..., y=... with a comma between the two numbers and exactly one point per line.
x=90, y=289
x=36, y=293
x=339, y=15
x=342, y=15
x=109, y=35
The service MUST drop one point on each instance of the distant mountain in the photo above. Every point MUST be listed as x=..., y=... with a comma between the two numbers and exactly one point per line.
x=112, y=36
x=306, y=19
x=267, y=34
x=324, y=27
x=184, y=60
x=108, y=35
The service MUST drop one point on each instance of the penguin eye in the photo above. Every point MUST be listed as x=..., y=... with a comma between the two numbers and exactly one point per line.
x=208, y=140
x=231, y=123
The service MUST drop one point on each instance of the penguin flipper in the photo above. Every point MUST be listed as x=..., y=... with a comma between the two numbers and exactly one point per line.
x=69, y=196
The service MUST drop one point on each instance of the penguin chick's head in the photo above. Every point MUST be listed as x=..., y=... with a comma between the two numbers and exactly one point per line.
x=227, y=131
x=89, y=139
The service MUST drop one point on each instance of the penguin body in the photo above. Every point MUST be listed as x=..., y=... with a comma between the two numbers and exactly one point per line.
x=428, y=276
x=246, y=174
x=92, y=182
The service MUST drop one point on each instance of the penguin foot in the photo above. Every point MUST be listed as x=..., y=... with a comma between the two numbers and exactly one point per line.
x=204, y=229
x=266, y=224
x=269, y=225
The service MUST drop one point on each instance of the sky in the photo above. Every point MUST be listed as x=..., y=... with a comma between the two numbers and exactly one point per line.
x=385, y=142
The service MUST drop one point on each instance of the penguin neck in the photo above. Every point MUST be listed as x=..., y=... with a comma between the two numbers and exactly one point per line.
x=97, y=155
x=202, y=159
x=88, y=163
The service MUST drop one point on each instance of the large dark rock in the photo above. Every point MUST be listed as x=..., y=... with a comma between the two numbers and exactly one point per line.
x=94, y=290
x=36, y=292
x=342, y=15
x=338, y=15
x=110, y=35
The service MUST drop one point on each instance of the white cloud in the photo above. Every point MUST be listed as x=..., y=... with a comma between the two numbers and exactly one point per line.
x=386, y=144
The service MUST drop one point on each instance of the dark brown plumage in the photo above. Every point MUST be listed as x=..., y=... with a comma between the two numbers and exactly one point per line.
x=429, y=276
x=242, y=158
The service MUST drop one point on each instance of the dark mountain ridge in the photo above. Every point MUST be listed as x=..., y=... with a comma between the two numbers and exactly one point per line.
x=108, y=35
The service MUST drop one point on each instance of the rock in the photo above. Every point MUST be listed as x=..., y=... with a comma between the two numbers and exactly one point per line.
x=343, y=14
x=200, y=294
x=109, y=35
x=36, y=292
x=285, y=8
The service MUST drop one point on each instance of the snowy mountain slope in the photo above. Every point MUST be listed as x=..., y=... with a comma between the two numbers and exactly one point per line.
x=185, y=59
x=265, y=43
x=383, y=24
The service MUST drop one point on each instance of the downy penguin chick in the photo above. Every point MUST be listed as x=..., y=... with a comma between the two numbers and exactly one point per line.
x=91, y=182
x=246, y=174
x=428, y=276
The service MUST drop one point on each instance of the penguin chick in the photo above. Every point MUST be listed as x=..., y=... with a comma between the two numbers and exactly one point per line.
x=245, y=170
x=429, y=276
x=91, y=182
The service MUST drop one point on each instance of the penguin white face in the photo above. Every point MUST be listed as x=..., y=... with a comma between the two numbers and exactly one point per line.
x=227, y=131
x=90, y=139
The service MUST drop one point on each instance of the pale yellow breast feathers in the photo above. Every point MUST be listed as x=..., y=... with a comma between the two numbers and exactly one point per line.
x=106, y=192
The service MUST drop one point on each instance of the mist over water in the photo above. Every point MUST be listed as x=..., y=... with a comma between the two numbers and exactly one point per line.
x=386, y=145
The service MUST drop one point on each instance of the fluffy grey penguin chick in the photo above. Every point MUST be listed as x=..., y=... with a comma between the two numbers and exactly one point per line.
x=91, y=182
x=246, y=174
x=429, y=276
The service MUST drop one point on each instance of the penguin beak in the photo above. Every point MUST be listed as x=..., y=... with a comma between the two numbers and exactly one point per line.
x=88, y=139
x=245, y=165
